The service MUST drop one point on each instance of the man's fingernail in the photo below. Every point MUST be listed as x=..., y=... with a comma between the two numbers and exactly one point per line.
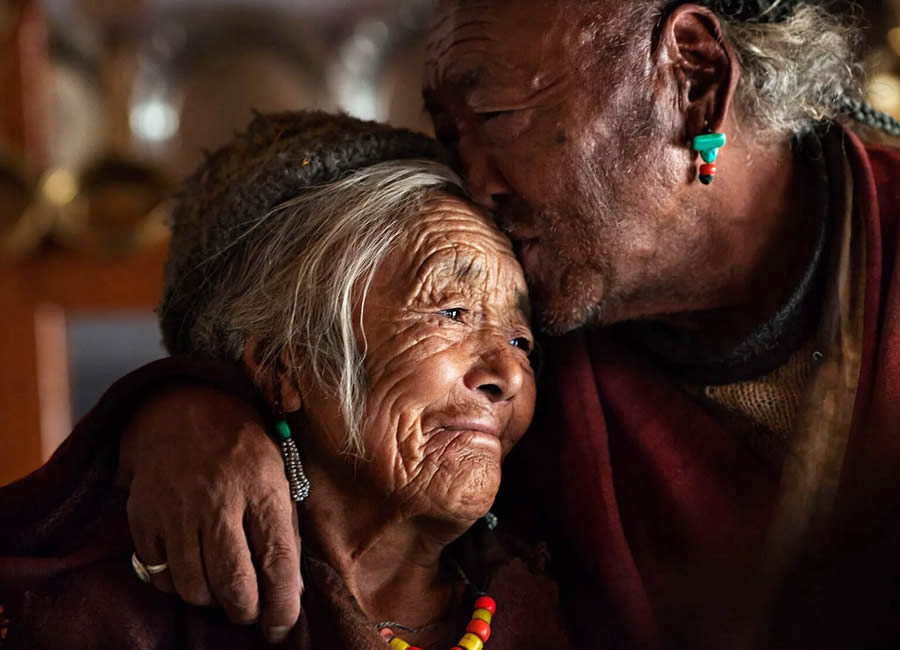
x=277, y=634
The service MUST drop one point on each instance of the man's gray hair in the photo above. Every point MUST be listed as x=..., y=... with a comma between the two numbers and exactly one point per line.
x=300, y=281
x=795, y=72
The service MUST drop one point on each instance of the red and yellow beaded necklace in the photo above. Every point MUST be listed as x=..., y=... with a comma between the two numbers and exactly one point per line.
x=478, y=631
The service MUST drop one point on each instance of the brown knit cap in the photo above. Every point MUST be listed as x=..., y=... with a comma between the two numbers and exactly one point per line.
x=276, y=159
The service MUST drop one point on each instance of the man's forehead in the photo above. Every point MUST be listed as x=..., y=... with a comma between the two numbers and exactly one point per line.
x=485, y=42
x=461, y=23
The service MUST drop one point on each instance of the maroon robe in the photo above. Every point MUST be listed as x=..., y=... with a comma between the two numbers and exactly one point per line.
x=664, y=512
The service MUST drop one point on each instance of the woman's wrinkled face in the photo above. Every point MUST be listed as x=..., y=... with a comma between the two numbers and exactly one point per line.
x=450, y=386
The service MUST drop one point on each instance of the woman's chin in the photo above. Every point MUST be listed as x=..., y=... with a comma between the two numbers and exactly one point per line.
x=464, y=480
x=470, y=485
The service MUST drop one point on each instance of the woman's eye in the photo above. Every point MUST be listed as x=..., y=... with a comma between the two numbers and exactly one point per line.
x=522, y=343
x=454, y=313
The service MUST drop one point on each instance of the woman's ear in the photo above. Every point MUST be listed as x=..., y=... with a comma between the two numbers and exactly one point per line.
x=704, y=66
x=272, y=377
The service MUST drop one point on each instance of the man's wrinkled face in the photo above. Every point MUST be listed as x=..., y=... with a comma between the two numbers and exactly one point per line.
x=450, y=389
x=550, y=136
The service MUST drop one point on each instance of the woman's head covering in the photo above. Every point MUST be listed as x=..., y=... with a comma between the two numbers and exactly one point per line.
x=277, y=158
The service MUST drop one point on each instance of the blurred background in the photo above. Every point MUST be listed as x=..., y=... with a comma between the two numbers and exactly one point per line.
x=106, y=104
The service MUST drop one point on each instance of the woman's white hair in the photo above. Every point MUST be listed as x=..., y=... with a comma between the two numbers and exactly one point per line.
x=300, y=285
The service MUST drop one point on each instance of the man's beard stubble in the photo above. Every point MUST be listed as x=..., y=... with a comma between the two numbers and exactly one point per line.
x=574, y=292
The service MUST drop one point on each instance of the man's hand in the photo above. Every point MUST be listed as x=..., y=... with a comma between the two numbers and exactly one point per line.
x=208, y=495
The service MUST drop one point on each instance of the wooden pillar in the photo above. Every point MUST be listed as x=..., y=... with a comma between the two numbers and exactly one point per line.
x=36, y=297
x=20, y=446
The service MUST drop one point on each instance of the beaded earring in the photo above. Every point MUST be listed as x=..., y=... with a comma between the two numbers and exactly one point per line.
x=298, y=483
x=708, y=146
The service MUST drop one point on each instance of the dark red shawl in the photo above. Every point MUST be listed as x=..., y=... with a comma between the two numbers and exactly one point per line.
x=664, y=511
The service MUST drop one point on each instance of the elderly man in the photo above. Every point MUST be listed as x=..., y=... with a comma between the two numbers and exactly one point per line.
x=717, y=458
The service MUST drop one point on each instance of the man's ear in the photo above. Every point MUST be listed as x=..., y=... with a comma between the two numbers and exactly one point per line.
x=273, y=378
x=703, y=66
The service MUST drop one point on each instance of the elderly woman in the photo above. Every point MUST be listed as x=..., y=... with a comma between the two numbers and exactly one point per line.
x=365, y=302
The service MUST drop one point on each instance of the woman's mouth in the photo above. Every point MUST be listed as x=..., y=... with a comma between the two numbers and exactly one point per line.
x=488, y=426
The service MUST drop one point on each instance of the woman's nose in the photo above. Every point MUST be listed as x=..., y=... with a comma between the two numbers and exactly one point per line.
x=485, y=182
x=498, y=375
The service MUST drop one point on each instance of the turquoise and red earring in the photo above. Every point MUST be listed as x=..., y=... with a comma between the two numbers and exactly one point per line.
x=708, y=146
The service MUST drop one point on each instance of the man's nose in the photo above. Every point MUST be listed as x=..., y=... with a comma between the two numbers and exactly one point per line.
x=485, y=181
x=498, y=374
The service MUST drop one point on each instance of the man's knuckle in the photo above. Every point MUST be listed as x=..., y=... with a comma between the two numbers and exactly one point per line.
x=276, y=501
x=277, y=557
x=240, y=590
